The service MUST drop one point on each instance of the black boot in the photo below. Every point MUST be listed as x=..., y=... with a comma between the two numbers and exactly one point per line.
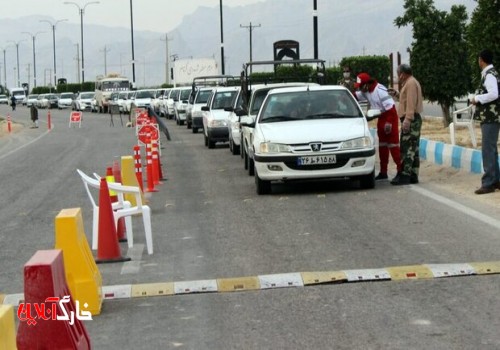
x=401, y=180
x=414, y=179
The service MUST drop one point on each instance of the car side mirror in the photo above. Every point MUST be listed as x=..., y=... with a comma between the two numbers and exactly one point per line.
x=228, y=109
x=205, y=108
x=240, y=112
x=247, y=121
x=373, y=114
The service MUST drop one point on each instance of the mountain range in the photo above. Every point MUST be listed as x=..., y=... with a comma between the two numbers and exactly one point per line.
x=345, y=28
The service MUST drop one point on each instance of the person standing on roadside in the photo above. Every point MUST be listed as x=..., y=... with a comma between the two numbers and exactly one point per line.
x=347, y=81
x=487, y=112
x=34, y=115
x=13, y=102
x=409, y=111
x=387, y=124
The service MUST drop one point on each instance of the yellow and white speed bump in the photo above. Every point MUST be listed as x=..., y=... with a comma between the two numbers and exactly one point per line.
x=287, y=280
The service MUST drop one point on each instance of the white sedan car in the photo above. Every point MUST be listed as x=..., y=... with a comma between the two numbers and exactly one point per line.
x=83, y=101
x=312, y=132
x=215, y=116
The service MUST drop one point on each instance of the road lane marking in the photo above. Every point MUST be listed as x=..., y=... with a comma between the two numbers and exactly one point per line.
x=457, y=206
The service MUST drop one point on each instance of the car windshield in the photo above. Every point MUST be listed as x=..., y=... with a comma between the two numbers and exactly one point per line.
x=145, y=94
x=302, y=105
x=67, y=96
x=185, y=94
x=203, y=96
x=223, y=99
x=259, y=97
x=87, y=95
x=32, y=96
x=115, y=85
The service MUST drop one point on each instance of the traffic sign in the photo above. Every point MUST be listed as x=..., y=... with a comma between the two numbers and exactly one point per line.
x=75, y=117
x=146, y=129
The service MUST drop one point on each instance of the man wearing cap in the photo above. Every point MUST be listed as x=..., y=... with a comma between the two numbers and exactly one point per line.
x=487, y=112
x=409, y=109
x=387, y=125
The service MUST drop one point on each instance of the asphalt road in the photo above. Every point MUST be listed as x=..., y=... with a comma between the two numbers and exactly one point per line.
x=209, y=223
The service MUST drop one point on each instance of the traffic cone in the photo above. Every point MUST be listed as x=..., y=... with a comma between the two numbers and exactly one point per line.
x=156, y=163
x=149, y=167
x=111, y=178
x=138, y=166
x=108, y=249
x=120, y=229
x=116, y=171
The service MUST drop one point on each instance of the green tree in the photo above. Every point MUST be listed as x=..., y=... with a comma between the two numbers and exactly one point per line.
x=439, y=56
x=483, y=32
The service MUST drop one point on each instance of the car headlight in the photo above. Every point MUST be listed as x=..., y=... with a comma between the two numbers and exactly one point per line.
x=217, y=123
x=361, y=142
x=269, y=147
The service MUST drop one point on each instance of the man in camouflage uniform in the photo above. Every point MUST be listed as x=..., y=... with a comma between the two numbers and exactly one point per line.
x=487, y=112
x=409, y=109
x=347, y=81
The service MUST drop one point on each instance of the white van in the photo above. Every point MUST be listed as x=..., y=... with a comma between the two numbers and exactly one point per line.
x=19, y=94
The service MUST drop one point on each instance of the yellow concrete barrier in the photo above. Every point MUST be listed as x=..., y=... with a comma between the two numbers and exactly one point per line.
x=7, y=328
x=82, y=275
x=129, y=178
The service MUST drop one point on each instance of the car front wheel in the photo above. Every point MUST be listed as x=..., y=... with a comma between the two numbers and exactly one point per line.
x=262, y=186
x=367, y=181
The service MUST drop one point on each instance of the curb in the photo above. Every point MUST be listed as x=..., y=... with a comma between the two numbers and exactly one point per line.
x=453, y=156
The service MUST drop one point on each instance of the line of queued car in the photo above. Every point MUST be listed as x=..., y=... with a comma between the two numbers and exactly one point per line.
x=287, y=131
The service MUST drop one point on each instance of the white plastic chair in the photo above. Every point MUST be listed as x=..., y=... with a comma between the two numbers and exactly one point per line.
x=127, y=211
x=91, y=182
x=462, y=116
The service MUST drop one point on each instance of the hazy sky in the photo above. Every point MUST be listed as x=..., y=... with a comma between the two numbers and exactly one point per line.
x=155, y=15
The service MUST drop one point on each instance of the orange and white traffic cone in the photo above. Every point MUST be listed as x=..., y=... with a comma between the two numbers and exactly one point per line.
x=108, y=249
x=156, y=163
x=138, y=166
x=149, y=167
x=120, y=228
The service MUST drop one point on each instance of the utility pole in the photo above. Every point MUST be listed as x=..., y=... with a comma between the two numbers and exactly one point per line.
x=250, y=29
x=105, y=50
x=166, y=40
x=315, y=28
x=77, y=63
x=223, y=69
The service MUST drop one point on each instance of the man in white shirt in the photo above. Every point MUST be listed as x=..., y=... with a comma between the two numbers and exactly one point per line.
x=487, y=112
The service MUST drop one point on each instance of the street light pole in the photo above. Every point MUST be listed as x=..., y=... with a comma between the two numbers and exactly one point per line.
x=17, y=53
x=4, y=69
x=223, y=70
x=132, y=39
x=82, y=12
x=33, y=37
x=315, y=28
x=53, y=25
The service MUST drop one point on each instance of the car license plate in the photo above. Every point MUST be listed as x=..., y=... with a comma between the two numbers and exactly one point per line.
x=311, y=160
